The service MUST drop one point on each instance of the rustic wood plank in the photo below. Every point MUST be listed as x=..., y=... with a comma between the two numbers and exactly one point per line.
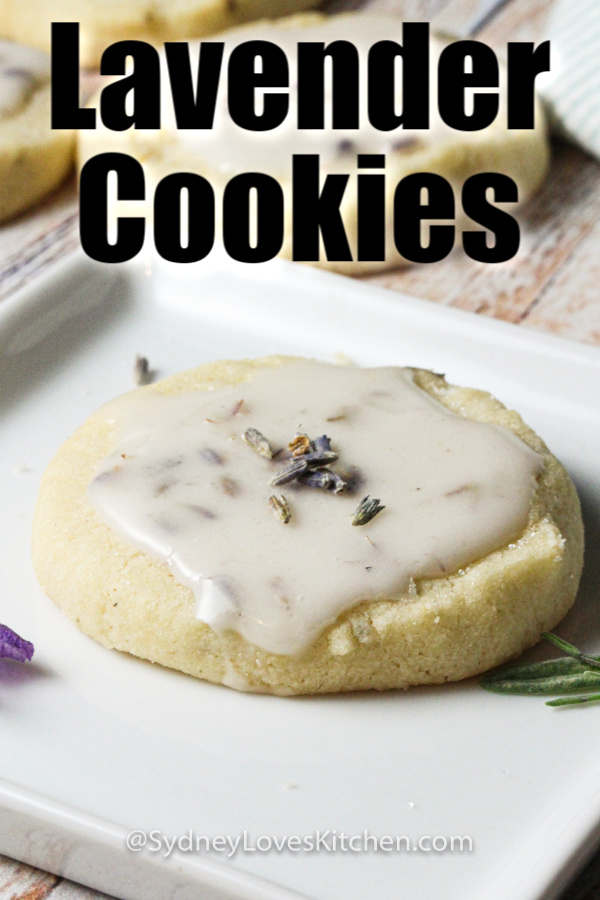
x=569, y=305
x=524, y=20
x=21, y=882
x=39, y=237
x=68, y=890
x=554, y=225
x=47, y=231
x=551, y=283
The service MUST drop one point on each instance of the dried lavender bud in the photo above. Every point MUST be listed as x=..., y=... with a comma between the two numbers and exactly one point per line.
x=211, y=457
x=237, y=408
x=278, y=505
x=300, y=445
x=320, y=478
x=339, y=485
x=404, y=143
x=230, y=486
x=366, y=510
x=292, y=471
x=319, y=458
x=345, y=146
x=324, y=479
x=168, y=525
x=18, y=72
x=322, y=444
x=163, y=488
x=202, y=511
x=170, y=463
x=14, y=647
x=108, y=475
x=258, y=442
x=141, y=371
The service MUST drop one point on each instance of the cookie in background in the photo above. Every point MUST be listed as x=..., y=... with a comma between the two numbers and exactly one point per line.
x=34, y=159
x=105, y=21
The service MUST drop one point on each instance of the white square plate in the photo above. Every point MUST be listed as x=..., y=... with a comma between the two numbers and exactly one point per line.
x=97, y=743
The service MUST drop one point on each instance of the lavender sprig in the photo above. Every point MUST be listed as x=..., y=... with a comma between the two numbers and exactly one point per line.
x=12, y=646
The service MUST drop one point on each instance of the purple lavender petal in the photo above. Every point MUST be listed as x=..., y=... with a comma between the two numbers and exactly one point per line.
x=14, y=647
x=322, y=443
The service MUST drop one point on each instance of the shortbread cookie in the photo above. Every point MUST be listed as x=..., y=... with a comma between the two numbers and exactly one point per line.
x=33, y=158
x=227, y=149
x=102, y=22
x=412, y=533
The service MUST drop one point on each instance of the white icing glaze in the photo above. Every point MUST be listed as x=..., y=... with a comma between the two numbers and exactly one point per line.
x=183, y=486
x=227, y=148
x=22, y=69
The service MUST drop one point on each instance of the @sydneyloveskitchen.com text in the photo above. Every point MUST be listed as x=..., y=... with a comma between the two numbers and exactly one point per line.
x=320, y=841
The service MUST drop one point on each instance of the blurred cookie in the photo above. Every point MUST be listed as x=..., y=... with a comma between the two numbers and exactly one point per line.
x=34, y=159
x=102, y=22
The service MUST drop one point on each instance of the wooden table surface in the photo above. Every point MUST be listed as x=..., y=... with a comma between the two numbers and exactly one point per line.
x=553, y=284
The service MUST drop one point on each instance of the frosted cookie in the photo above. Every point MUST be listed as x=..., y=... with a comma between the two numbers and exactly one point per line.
x=33, y=158
x=227, y=149
x=292, y=527
x=102, y=22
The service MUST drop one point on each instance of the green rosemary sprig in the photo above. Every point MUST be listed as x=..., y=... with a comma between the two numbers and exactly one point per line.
x=571, y=701
x=570, y=650
x=575, y=671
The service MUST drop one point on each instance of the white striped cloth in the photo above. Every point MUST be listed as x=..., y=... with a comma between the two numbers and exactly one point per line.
x=572, y=89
